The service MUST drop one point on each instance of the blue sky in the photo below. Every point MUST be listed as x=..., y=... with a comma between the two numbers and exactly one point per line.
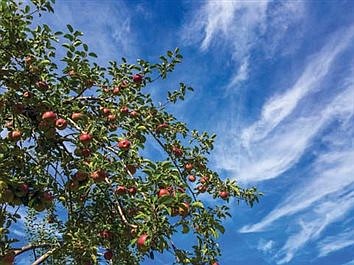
x=275, y=81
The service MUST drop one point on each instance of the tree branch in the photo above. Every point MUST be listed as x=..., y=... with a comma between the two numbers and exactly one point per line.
x=44, y=256
x=29, y=247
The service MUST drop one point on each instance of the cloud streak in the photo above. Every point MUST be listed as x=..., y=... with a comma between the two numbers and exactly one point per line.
x=333, y=172
x=240, y=26
x=334, y=243
x=281, y=106
x=288, y=122
x=324, y=214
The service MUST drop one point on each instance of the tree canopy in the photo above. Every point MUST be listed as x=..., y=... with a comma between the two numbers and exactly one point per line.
x=77, y=168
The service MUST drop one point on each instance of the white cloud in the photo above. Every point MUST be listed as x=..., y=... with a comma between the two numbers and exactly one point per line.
x=282, y=148
x=230, y=20
x=265, y=246
x=333, y=171
x=281, y=106
x=239, y=27
x=334, y=243
x=242, y=73
x=327, y=189
x=324, y=214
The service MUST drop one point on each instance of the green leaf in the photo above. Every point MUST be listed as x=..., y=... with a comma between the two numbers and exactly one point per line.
x=92, y=54
x=185, y=228
x=70, y=28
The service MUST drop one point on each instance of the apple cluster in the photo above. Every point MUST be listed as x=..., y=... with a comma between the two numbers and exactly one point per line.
x=23, y=193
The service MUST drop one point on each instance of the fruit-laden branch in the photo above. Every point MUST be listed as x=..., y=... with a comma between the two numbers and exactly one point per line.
x=120, y=211
x=174, y=162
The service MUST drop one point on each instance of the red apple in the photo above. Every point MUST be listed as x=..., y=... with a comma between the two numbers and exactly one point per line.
x=24, y=188
x=85, y=138
x=61, y=124
x=111, y=117
x=177, y=151
x=131, y=169
x=120, y=190
x=124, y=110
x=27, y=94
x=42, y=85
x=15, y=135
x=21, y=190
x=106, y=234
x=47, y=196
x=8, y=258
x=132, y=190
x=224, y=195
x=133, y=113
x=99, y=175
x=124, y=144
x=201, y=188
x=215, y=263
x=89, y=82
x=85, y=152
x=161, y=127
x=191, y=178
x=116, y=90
x=77, y=116
x=105, y=89
x=106, y=111
x=141, y=241
x=204, y=180
x=137, y=78
x=108, y=255
x=188, y=166
x=163, y=192
x=124, y=84
x=49, y=116
x=73, y=185
x=81, y=176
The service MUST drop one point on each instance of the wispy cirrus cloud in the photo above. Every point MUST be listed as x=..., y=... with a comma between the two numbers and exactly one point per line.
x=336, y=242
x=314, y=223
x=241, y=26
x=281, y=106
x=288, y=121
x=325, y=196
x=332, y=172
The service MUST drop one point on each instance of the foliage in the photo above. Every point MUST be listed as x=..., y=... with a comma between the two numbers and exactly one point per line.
x=74, y=153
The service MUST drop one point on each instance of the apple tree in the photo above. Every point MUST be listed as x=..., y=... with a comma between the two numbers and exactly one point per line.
x=79, y=170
